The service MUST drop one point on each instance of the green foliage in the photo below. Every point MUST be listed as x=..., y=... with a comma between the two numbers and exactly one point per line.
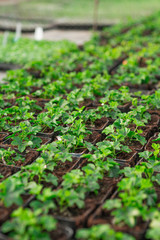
x=102, y=232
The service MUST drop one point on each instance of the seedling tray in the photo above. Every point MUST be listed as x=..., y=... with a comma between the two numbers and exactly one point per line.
x=79, y=218
x=29, y=156
x=6, y=212
x=102, y=216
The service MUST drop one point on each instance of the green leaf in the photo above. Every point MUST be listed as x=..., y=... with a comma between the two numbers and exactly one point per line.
x=36, y=141
x=156, y=178
x=112, y=203
x=50, y=178
x=34, y=188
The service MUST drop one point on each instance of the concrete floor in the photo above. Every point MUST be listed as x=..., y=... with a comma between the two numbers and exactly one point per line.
x=2, y=75
x=78, y=37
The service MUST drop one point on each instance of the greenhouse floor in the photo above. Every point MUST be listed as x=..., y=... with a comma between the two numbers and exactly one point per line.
x=78, y=37
x=2, y=75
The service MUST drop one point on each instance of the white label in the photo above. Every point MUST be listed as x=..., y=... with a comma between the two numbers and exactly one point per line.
x=38, y=35
x=18, y=31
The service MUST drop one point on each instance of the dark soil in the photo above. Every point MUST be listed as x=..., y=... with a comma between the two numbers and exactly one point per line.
x=34, y=72
x=142, y=62
x=9, y=102
x=86, y=103
x=128, y=157
x=125, y=107
x=147, y=131
x=61, y=233
x=99, y=124
x=93, y=138
x=145, y=86
x=155, y=120
x=80, y=151
x=7, y=171
x=135, y=145
x=65, y=167
x=2, y=136
x=6, y=211
x=154, y=111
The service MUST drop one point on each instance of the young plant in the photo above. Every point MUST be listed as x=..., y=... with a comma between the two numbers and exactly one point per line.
x=29, y=225
x=10, y=157
x=135, y=199
x=76, y=185
x=101, y=232
x=154, y=231
x=111, y=149
x=24, y=136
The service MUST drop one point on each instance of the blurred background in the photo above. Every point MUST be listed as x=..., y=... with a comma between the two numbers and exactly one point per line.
x=59, y=15
x=77, y=10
